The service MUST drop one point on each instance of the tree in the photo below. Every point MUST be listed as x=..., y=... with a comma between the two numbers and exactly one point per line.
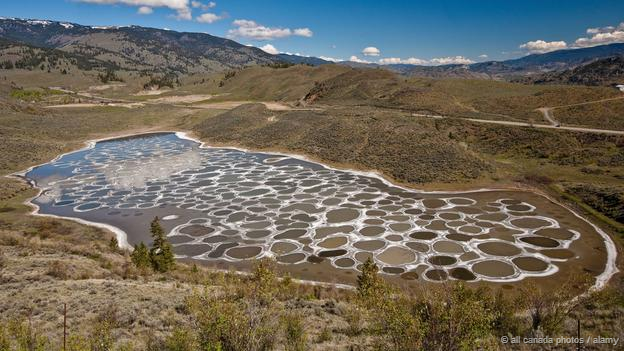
x=113, y=244
x=369, y=284
x=141, y=256
x=161, y=254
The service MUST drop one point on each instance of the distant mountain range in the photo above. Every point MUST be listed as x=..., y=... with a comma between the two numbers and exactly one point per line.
x=536, y=64
x=28, y=42
x=136, y=48
x=606, y=71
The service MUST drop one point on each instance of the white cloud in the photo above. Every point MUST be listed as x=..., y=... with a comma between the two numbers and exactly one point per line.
x=397, y=60
x=602, y=36
x=252, y=30
x=541, y=46
x=144, y=10
x=371, y=51
x=303, y=32
x=202, y=6
x=461, y=60
x=451, y=60
x=208, y=18
x=358, y=60
x=181, y=7
x=331, y=59
x=483, y=56
x=268, y=48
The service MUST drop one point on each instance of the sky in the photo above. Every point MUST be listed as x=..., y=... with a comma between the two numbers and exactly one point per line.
x=418, y=32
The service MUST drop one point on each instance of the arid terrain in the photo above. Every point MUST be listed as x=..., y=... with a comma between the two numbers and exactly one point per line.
x=439, y=134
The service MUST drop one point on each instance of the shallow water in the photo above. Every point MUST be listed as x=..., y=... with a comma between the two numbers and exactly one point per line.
x=228, y=205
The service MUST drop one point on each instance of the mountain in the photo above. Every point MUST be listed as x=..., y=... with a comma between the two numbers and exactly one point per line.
x=305, y=60
x=559, y=60
x=152, y=50
x=515, y=69
x=136, y=48
x=555, y=60
x=607, y=71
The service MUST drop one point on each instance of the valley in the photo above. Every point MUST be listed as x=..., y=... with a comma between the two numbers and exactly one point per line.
x=283, y=182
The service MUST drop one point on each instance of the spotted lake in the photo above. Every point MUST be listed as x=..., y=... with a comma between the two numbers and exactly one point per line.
x=225, y=207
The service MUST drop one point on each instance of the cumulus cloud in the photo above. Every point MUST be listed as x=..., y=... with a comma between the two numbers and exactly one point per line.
x=451, y=60
x=358, y=60
x=208, y=18
x=371, y=51
x=397, y=60
x=145, y=10
x=182, y=7
x=602, y=36
x=541, y=46
x=331, y=59
x=303, y=32
x=202, y=6
x=421, y=62
x=252, y=30
x=268, y=48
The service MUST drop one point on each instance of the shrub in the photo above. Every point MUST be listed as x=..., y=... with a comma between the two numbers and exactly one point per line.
x=264, y=281
x=27, y=95
x=181, y=339
x=548, y=310
x=354, y=316
x=141, y=257
x=325, y=335
x=399, y=323
x=113, y=244
x=294, y=331
x=370, y=285
x=456, y=318
x=22, y=336
x=78, y=343
x=109, y=76
x=58, y=269
x=229, y=323
x=101, y=335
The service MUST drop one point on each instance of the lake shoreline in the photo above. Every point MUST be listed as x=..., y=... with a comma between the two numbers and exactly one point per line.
x=601, y=280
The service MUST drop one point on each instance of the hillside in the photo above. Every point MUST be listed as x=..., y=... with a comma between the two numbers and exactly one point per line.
x=608, y=71
x=134, y=48
x=137, y=48
x=464, y=98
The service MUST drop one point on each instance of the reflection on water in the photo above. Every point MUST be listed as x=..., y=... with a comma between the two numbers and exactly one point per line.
x=233, y=205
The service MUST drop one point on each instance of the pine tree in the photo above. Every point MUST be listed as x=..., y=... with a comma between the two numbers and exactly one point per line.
x=141, y=256
x=161, y=254
x=113, y=244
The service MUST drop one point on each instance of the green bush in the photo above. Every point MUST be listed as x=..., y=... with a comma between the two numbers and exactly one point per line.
x=141, y=257
x=181, y=339
x=294, y=331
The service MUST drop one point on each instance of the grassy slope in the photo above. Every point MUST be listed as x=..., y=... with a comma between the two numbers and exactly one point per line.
x=90, y=273
x=484, y=99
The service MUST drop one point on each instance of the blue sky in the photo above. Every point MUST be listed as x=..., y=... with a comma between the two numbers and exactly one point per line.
x=427, y=32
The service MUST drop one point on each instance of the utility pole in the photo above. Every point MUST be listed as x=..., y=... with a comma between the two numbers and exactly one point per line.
x=64, y=326
x=578, y=334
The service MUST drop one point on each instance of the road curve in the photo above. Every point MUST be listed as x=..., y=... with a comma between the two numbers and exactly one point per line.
x=547, y=112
